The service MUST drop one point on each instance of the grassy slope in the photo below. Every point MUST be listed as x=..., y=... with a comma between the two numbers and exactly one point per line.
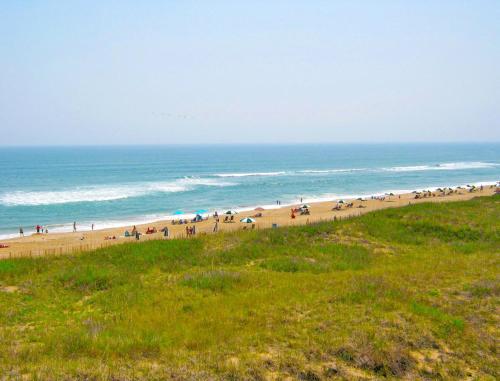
x=409, y=292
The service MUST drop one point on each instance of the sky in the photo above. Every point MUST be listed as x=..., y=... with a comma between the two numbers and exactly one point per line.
x=190, y=72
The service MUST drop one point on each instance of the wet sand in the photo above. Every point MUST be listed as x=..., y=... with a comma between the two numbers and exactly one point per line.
x=65, y=243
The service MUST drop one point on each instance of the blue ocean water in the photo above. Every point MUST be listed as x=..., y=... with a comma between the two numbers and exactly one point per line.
x=115, y=186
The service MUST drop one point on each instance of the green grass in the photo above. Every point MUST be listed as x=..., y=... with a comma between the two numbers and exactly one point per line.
x=400, y=293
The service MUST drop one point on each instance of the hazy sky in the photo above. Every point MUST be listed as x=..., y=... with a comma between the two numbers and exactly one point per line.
x=101, y=72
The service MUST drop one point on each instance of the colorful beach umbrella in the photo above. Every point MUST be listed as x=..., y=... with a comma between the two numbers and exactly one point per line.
x=247, y=220
x=259, y=209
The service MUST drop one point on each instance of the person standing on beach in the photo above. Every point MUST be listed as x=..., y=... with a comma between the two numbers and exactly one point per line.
x=74, y=226
x=165, y=232
x=92, y=227
x=216, y=227
x=21, y=231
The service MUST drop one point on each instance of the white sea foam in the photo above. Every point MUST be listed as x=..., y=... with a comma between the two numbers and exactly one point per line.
x=98, y=225
x=248, y=174
x=281, y=173
x=105, y=192
x=332, y=170
x=335, y=197
x=443, y=166
x=410, y=168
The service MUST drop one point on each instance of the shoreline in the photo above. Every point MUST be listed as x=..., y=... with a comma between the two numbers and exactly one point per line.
x=69, y=242
x=85, y=226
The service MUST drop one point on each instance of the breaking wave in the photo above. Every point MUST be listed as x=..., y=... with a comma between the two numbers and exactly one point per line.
x=105, y=192
x=411, y=168
x=443, y=167
x=248, y=174
x=332, y=170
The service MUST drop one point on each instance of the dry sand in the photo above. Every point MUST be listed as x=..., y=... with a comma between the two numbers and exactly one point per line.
x=62, y=243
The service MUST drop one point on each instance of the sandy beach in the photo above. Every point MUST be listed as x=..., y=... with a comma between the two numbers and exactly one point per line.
x=65, y=243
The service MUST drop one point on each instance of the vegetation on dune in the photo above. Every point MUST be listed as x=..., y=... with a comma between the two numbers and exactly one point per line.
x=398, y=293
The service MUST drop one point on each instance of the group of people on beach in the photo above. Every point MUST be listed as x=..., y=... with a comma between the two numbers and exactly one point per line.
x=190, y=230
x=150, y=230
x=303, y=210
x=40, y=229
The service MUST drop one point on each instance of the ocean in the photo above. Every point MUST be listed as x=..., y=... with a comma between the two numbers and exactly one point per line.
x=124, y=185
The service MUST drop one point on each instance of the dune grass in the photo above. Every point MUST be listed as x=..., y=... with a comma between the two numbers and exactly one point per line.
x=398, y=293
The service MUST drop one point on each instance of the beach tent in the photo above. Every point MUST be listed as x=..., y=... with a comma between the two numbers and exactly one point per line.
x=231, y=212
x=198, y=218
x=247, y=220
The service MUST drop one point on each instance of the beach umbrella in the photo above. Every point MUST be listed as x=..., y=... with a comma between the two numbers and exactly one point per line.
x=247, y=220
x=305, y=206
x=231, y=212
x=340, y=201
x=259, y=209
x=178, y=212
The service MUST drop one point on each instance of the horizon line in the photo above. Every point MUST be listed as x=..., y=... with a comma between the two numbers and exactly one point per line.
x=244, y=144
